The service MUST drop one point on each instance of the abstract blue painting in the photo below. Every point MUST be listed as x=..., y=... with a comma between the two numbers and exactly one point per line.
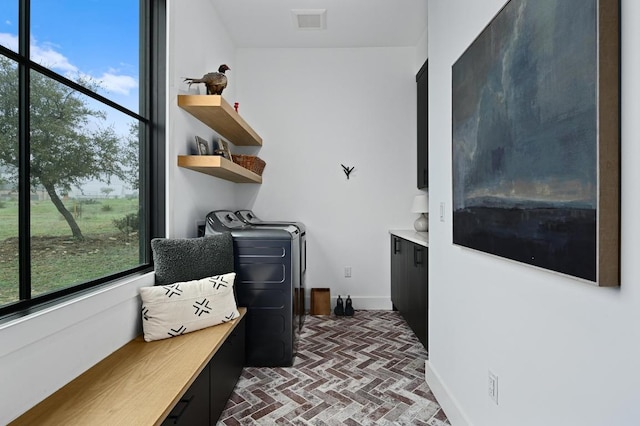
x=528, y=177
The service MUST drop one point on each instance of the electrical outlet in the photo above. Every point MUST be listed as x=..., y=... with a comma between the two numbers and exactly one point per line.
x=347, y=271
x=493, y=387
x=200, y=228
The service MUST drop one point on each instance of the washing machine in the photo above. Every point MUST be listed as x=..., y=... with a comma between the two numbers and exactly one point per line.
x=247, y=216
x=267, y=266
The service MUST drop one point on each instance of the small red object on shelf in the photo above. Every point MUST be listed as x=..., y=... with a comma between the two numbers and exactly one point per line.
x=235, y=105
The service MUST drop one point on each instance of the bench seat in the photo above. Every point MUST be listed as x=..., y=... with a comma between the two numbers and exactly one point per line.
x=138, y=384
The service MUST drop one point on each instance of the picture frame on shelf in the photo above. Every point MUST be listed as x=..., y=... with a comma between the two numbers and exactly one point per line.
x=203, y=146
x=223, y=147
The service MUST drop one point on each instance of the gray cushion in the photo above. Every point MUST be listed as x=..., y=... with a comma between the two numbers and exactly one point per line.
x=187, y=259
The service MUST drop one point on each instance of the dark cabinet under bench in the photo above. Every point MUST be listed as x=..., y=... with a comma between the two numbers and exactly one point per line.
x=226, y=367
x=193, y=407
x=409, y=280
x=205, y=400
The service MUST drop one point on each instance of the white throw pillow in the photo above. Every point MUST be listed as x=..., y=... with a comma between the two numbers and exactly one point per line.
x=174, y=309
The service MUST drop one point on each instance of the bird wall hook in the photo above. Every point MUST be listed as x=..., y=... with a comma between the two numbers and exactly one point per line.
x=347, y=170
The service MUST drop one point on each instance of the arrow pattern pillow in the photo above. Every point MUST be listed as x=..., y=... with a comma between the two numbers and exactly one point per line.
x=174, y=309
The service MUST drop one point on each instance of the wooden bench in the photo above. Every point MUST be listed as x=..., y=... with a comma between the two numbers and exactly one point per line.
x=182, y=380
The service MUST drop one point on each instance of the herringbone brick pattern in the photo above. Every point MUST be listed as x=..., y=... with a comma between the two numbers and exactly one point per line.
x=361, y=370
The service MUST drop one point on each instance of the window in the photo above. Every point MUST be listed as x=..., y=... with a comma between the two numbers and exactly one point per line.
x=81, y=145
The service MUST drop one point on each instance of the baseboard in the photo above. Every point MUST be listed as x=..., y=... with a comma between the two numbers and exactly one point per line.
x=362, y=303
x=449, y=404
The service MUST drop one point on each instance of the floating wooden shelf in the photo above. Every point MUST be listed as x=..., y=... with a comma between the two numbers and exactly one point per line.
x=216, y=113
x=215, y=165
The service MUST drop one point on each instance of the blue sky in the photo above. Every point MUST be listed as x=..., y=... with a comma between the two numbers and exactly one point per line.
x=97, y=38
x=93, y=38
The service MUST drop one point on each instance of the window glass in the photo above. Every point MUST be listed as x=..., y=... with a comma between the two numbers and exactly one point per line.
x=84, y=204
x=80, y=144
x=9, y=24
x=94, y=41
x=8, y=181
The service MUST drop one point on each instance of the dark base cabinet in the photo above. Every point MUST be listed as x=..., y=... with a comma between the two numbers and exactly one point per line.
x=205, y=400
x=193, y=407
x=399, y=250
x=226, y=368
x=409, y=282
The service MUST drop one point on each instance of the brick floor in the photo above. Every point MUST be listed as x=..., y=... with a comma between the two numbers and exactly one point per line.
x=362, y=370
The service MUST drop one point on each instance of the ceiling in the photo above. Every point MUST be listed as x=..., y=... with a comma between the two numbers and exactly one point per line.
x=349, y=23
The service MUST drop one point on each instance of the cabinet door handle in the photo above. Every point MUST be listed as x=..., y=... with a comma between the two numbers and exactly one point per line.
x=417, y=260
x=396, y=248
x=425, y=176
x=176, y=417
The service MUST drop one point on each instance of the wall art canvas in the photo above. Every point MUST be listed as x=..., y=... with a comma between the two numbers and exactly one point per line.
x=535, y=138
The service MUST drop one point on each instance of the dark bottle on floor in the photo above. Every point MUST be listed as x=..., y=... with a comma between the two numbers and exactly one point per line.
x=339, y=310
x=348, y=307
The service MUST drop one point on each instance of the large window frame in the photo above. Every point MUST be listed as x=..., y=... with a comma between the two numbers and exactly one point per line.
x=151, y=116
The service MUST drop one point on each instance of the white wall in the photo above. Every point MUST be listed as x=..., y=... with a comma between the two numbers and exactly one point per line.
x=566, y=353
x=198, y=44
x=422, y=49
x=40, y=353
x=317, y=109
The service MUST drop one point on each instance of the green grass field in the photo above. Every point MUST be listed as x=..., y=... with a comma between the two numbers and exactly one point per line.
x=57, y=260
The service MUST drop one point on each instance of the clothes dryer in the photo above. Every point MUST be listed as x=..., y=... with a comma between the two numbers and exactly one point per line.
x=247, y=216
x=266, y=262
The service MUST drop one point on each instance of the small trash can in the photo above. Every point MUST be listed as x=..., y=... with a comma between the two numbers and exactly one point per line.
x=320, y=301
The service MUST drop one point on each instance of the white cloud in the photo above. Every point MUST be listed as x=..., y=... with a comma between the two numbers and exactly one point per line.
x=51, y=59
x=121, y=84
x=9, y=40
x=47, y=56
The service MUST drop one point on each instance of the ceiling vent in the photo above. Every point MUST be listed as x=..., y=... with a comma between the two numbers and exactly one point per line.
x=309, y=19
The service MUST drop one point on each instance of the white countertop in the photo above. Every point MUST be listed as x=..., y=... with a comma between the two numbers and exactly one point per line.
x=421, y=238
